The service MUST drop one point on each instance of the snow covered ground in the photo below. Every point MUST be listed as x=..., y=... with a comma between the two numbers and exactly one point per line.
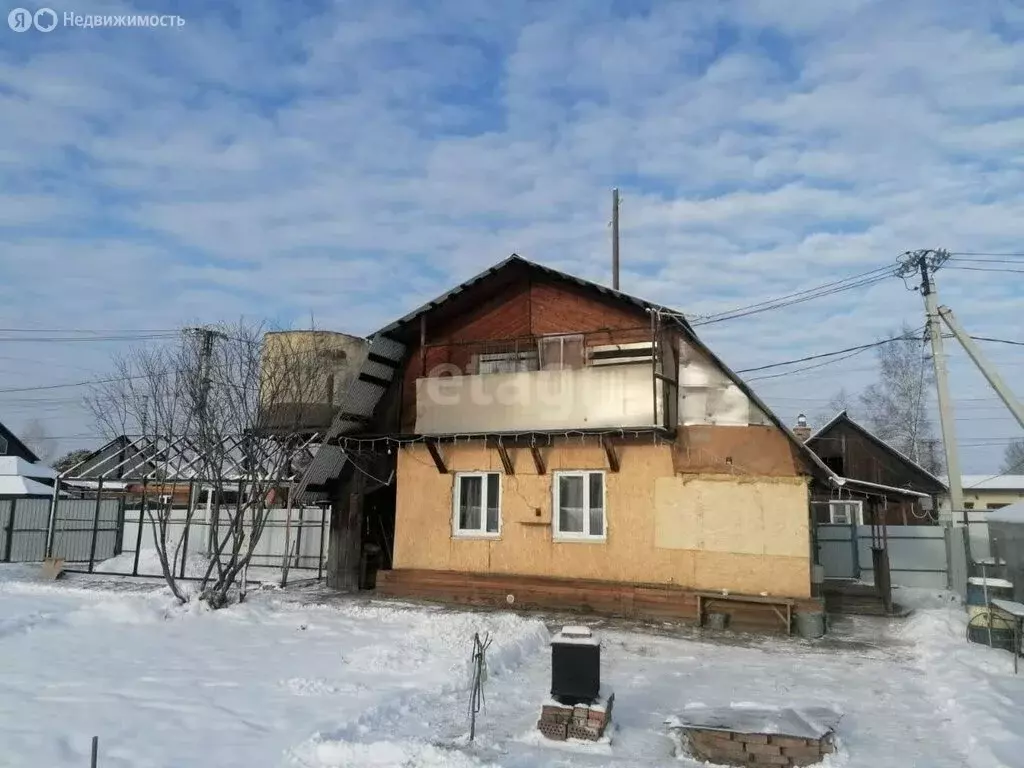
x=354, y=682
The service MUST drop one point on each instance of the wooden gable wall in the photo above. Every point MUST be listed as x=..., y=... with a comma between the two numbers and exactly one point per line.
x=863, y=459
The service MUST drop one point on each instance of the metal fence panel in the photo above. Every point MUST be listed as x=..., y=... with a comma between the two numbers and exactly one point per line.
x=27, y=524
x=302, y=535
x=5, y=519
x=73, y=529
x=917, y=555
x=836, y=551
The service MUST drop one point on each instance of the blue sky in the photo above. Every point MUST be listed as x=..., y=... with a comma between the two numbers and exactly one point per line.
x=348, y=160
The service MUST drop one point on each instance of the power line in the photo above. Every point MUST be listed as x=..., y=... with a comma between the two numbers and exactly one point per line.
x=987, y=269
x=864, y=279
x=858, y=348
x=982, y=253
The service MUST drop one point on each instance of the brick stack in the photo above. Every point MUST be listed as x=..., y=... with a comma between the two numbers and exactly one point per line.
x=586, y=722
x=730, y=748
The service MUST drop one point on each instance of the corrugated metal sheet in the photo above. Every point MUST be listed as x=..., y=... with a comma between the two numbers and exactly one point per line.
x=73, y=529
x=29, y=528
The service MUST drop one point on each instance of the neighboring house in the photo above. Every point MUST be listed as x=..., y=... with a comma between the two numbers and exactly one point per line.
x=553, y=436
x=10, y=445
x=880, y=484
x=21, y=474
x=986, y=492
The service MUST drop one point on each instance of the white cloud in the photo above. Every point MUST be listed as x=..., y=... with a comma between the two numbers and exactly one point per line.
x=355, y=162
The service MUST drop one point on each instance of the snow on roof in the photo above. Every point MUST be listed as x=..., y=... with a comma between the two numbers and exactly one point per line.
x=1011, y=514
x=15, y=485
x=17, y=466
x=990, y=482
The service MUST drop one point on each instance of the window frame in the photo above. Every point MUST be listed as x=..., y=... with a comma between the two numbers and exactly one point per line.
x=561, y=338
x=519, y=361
x=481, y=532
x=858, y=514
x=557, y=533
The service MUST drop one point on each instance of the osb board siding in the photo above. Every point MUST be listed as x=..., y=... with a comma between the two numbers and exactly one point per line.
x=731, y=515
x=630, y=553
x=752, y=450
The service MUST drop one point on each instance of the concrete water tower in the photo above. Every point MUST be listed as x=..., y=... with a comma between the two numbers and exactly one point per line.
x=305, y=374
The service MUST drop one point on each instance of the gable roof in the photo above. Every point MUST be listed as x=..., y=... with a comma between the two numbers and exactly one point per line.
x=844, y=418
x=16, y=446
x=675, y=317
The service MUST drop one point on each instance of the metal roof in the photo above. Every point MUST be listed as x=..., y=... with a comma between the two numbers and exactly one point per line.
x=515, y=259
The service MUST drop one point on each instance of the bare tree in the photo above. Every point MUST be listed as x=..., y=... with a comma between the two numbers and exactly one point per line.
x=896, y=406
x=843, y=400
x=226, y=413
x=71, y=458
x=1013, y=458
x=35, y=436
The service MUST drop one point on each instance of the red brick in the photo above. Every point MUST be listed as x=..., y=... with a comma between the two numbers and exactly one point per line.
x=555, y=731
x=584, y=732
x=772, y=760
x=550, y=710
x=802, y=751
x=790, y=741
x=721, y=735
x=803, y=761
x=762, y=749
x=752, y=738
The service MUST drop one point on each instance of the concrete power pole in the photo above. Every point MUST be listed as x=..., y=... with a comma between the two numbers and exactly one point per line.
x=926, y=262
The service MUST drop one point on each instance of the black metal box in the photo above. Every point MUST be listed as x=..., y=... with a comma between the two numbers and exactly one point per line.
x=575, y=666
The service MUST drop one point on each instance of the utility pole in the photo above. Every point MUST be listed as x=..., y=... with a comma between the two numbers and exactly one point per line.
x=987, y=370
x=615, y=238
x=926, y=262
x=207, y=336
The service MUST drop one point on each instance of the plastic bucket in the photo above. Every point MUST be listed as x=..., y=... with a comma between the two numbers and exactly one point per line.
x=978, y=587
x=810, y=625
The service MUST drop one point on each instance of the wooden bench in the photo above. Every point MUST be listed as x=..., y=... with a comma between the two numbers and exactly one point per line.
x=777, y=604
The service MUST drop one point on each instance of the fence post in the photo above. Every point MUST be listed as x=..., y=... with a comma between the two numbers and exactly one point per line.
x=188, y=523
x=143, y=507
x=298, y=538
x=95, y=523
x=855, y=543
x=119, y=526
x=320, y=560
x=10, y=530
x=94, y=758
x=51, y=533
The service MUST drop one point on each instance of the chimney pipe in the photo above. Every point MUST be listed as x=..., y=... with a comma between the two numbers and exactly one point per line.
x=801, y=430
x=615, y=238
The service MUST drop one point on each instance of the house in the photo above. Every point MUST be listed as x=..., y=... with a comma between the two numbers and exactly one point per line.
x=21, y=473
x=555, y=442
x=987, y=492
x=880, y=484
x=10, y=445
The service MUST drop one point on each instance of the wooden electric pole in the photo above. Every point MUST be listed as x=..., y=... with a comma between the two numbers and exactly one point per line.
x=615, y=238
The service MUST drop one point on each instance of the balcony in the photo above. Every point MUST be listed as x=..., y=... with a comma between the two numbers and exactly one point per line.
x=551, y=383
